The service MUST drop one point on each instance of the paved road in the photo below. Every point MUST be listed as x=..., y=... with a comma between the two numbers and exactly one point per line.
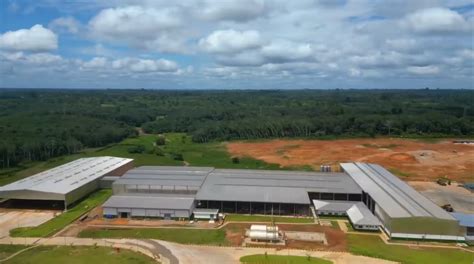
x=186, y=254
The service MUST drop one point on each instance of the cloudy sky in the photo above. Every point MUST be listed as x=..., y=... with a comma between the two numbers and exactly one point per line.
x=246, y=44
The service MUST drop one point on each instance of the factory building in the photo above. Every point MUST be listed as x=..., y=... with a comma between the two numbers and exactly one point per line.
x=67, y=183
x=164, y=192
x=403, y=212
x=370, y=196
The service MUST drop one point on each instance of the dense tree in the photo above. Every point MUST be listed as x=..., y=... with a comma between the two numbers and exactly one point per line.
x=40, y=124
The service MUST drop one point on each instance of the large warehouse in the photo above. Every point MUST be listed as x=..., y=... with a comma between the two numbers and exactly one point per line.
x=67, y=183
x=368, y=194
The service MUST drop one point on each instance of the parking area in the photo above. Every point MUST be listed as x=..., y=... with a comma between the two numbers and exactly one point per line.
x=10, y=219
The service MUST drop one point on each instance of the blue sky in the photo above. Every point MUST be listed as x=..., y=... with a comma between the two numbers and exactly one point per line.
x=236, y=44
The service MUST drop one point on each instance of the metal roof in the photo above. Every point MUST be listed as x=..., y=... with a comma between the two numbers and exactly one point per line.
x=70, y=176
x=464, y=219
x=272, y=185
x=146, y=201
x=359, y=214
x=165, y=176
x=396, y=198
x=336, y=206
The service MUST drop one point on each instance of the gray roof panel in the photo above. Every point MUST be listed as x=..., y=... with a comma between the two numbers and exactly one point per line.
x=397, y=198
x=272, y=185
x=150, y=202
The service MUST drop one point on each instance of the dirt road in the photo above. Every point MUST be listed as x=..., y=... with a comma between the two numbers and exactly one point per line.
x=411, y=160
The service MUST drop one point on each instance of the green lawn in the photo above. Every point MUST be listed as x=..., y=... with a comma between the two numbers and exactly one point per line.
x=197, y=154
x=56, y=224
x=261, y=218
x=8, y=250
x=78, y=255
x=335, y=224
x=277, y=259
x=178, y=235
x=373, y=246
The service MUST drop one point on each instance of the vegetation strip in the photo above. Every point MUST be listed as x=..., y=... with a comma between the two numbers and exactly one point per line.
x=79, y=255
x=178, y=235
x=279, y=259
x=373, y=246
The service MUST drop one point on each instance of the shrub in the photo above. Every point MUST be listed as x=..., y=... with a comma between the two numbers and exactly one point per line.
x=160, y=141
x=136, y=149
x=235, y=160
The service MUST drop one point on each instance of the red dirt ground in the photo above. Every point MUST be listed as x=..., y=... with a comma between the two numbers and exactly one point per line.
x=411, y=160
x=235, y=233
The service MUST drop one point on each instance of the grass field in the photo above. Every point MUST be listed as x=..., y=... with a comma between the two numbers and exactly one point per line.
x=197, y=154
x=277, y=259
x=76, y=255
x=372, y=246
x=56, y=224
x=8, y=250
x=261, y=218
x=178, y=235
x=335, y=225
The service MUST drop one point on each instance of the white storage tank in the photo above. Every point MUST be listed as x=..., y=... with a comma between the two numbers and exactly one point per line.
x=263, y=235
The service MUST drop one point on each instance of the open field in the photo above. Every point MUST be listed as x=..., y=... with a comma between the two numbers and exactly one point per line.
x=73, y=255
x=409, y=159
x=373, y=246
x=277, y=259
x=183, y=236
x=56, y=224
x=8, y=250
x=269, y=219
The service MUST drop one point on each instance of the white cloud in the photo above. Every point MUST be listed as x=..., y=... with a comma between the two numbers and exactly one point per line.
x=96, y=62
x=284, y=50
x=35, y=39
x=146, y=28
x=65, y=24
x=234, y=10
x=231, y=41
x=423, y=70
x=145, y=65
x=435, y=20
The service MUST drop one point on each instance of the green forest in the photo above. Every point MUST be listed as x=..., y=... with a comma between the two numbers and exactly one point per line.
x=39, y=124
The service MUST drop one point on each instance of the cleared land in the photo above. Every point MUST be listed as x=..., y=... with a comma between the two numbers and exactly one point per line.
x=373, y=246
x=74, y=255
x=459, y=197
x=56, y=224
x=277, y=259
x=409, y=159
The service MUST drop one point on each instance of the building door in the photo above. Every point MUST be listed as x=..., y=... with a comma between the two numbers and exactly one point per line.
x=124, y=215
x=167, y=216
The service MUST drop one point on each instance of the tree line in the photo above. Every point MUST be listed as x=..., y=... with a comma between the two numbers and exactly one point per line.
x=40, y=124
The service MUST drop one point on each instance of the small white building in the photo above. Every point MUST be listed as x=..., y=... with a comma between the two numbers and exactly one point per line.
x=206, y=214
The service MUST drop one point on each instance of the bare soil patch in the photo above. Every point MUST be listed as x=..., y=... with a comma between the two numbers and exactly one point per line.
x=409, y=159
x=235, y=234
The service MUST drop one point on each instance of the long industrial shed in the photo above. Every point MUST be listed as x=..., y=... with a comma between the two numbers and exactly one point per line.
x=368, y=194
x=67, y=183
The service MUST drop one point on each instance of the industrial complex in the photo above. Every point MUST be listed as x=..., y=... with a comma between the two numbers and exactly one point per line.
x=369, y=195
